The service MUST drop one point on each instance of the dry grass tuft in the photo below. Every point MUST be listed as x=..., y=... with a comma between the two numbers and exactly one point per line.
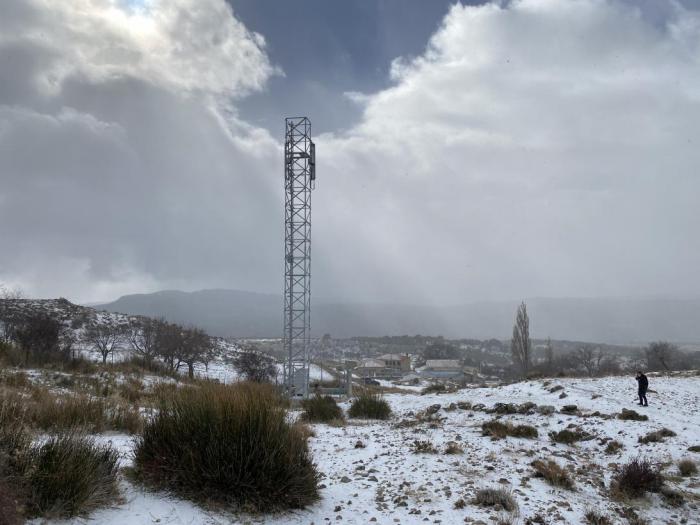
x=499, y=430
x=595, y=518
x=500, y=498
x=569, y=436
x=687, y=467
x=553, y=474
x=453, y=447
x=613, y=447
x=423, y=447
x=657, y=436
x=631, y=415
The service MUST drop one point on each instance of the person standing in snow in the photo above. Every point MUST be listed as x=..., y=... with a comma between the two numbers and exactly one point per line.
x=643, y=384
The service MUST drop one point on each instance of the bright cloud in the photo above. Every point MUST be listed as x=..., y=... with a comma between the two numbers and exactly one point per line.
x=537, y=147
x=542, y=147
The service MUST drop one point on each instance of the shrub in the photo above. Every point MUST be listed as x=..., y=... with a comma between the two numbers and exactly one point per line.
x=453, y=447
x=657, y=436
x=10, y=354
x=613, y=447
x=671, y=496
x=9, y=508
x=14, y=446
x=120, y=416
x=594, y=518
x=553, y=474
x=319, y=409
x=369, y=405
x=687, y=467
x=423, y=447
x=500, y=430
x=569, y=409
x=694, y=448
x=68, y=412
x=131, y=390
x=568, y=436
x=636, y=478
x=545, y=410
x=527, y=408
x=70, y=475
x=17, y=380
x=434, y=388
x=504, y=408
x=492, y=497
x=230, y=444
x=632, y=415
x=13, y=408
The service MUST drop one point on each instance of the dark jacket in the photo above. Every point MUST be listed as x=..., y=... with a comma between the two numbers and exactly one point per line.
x=643, y=383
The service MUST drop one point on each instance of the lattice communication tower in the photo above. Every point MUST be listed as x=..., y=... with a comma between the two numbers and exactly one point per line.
x=299, y=180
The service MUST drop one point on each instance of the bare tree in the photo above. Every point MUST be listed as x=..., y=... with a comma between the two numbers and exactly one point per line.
x=104, y=338
x=168, y=341
x=196, y=348
x=588, y=358
x=520, y=345
x=141, y=336
x=255, y=366
x=549, y=356
x=10, y=318
x=661, y=355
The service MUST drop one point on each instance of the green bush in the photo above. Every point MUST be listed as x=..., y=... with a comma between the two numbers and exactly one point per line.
x=369, y=405
x=320, y=409
x=70, y=475
x=230, y=444
x=500, y=430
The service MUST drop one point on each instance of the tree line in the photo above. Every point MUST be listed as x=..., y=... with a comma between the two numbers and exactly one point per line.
x=42, y=338
x=590, y=359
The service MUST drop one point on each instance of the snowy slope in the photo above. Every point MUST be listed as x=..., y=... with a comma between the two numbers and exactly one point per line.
x=386, y=482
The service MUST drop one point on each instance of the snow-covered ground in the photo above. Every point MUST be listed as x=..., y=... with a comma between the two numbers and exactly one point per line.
x=386, y=482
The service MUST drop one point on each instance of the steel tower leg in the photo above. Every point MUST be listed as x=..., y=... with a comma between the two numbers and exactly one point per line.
x=299, y=177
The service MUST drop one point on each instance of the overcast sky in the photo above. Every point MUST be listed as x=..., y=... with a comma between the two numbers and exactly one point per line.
x=465, y=152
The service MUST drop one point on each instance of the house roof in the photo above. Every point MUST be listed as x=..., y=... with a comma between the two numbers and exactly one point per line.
x=442, y=363
x=392, y=357
x=371, y=363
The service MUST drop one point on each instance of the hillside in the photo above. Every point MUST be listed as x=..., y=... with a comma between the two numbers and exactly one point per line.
x=247, y=314
x=384, y=479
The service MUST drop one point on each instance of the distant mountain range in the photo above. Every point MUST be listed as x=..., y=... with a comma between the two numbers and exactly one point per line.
x=248, y=314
